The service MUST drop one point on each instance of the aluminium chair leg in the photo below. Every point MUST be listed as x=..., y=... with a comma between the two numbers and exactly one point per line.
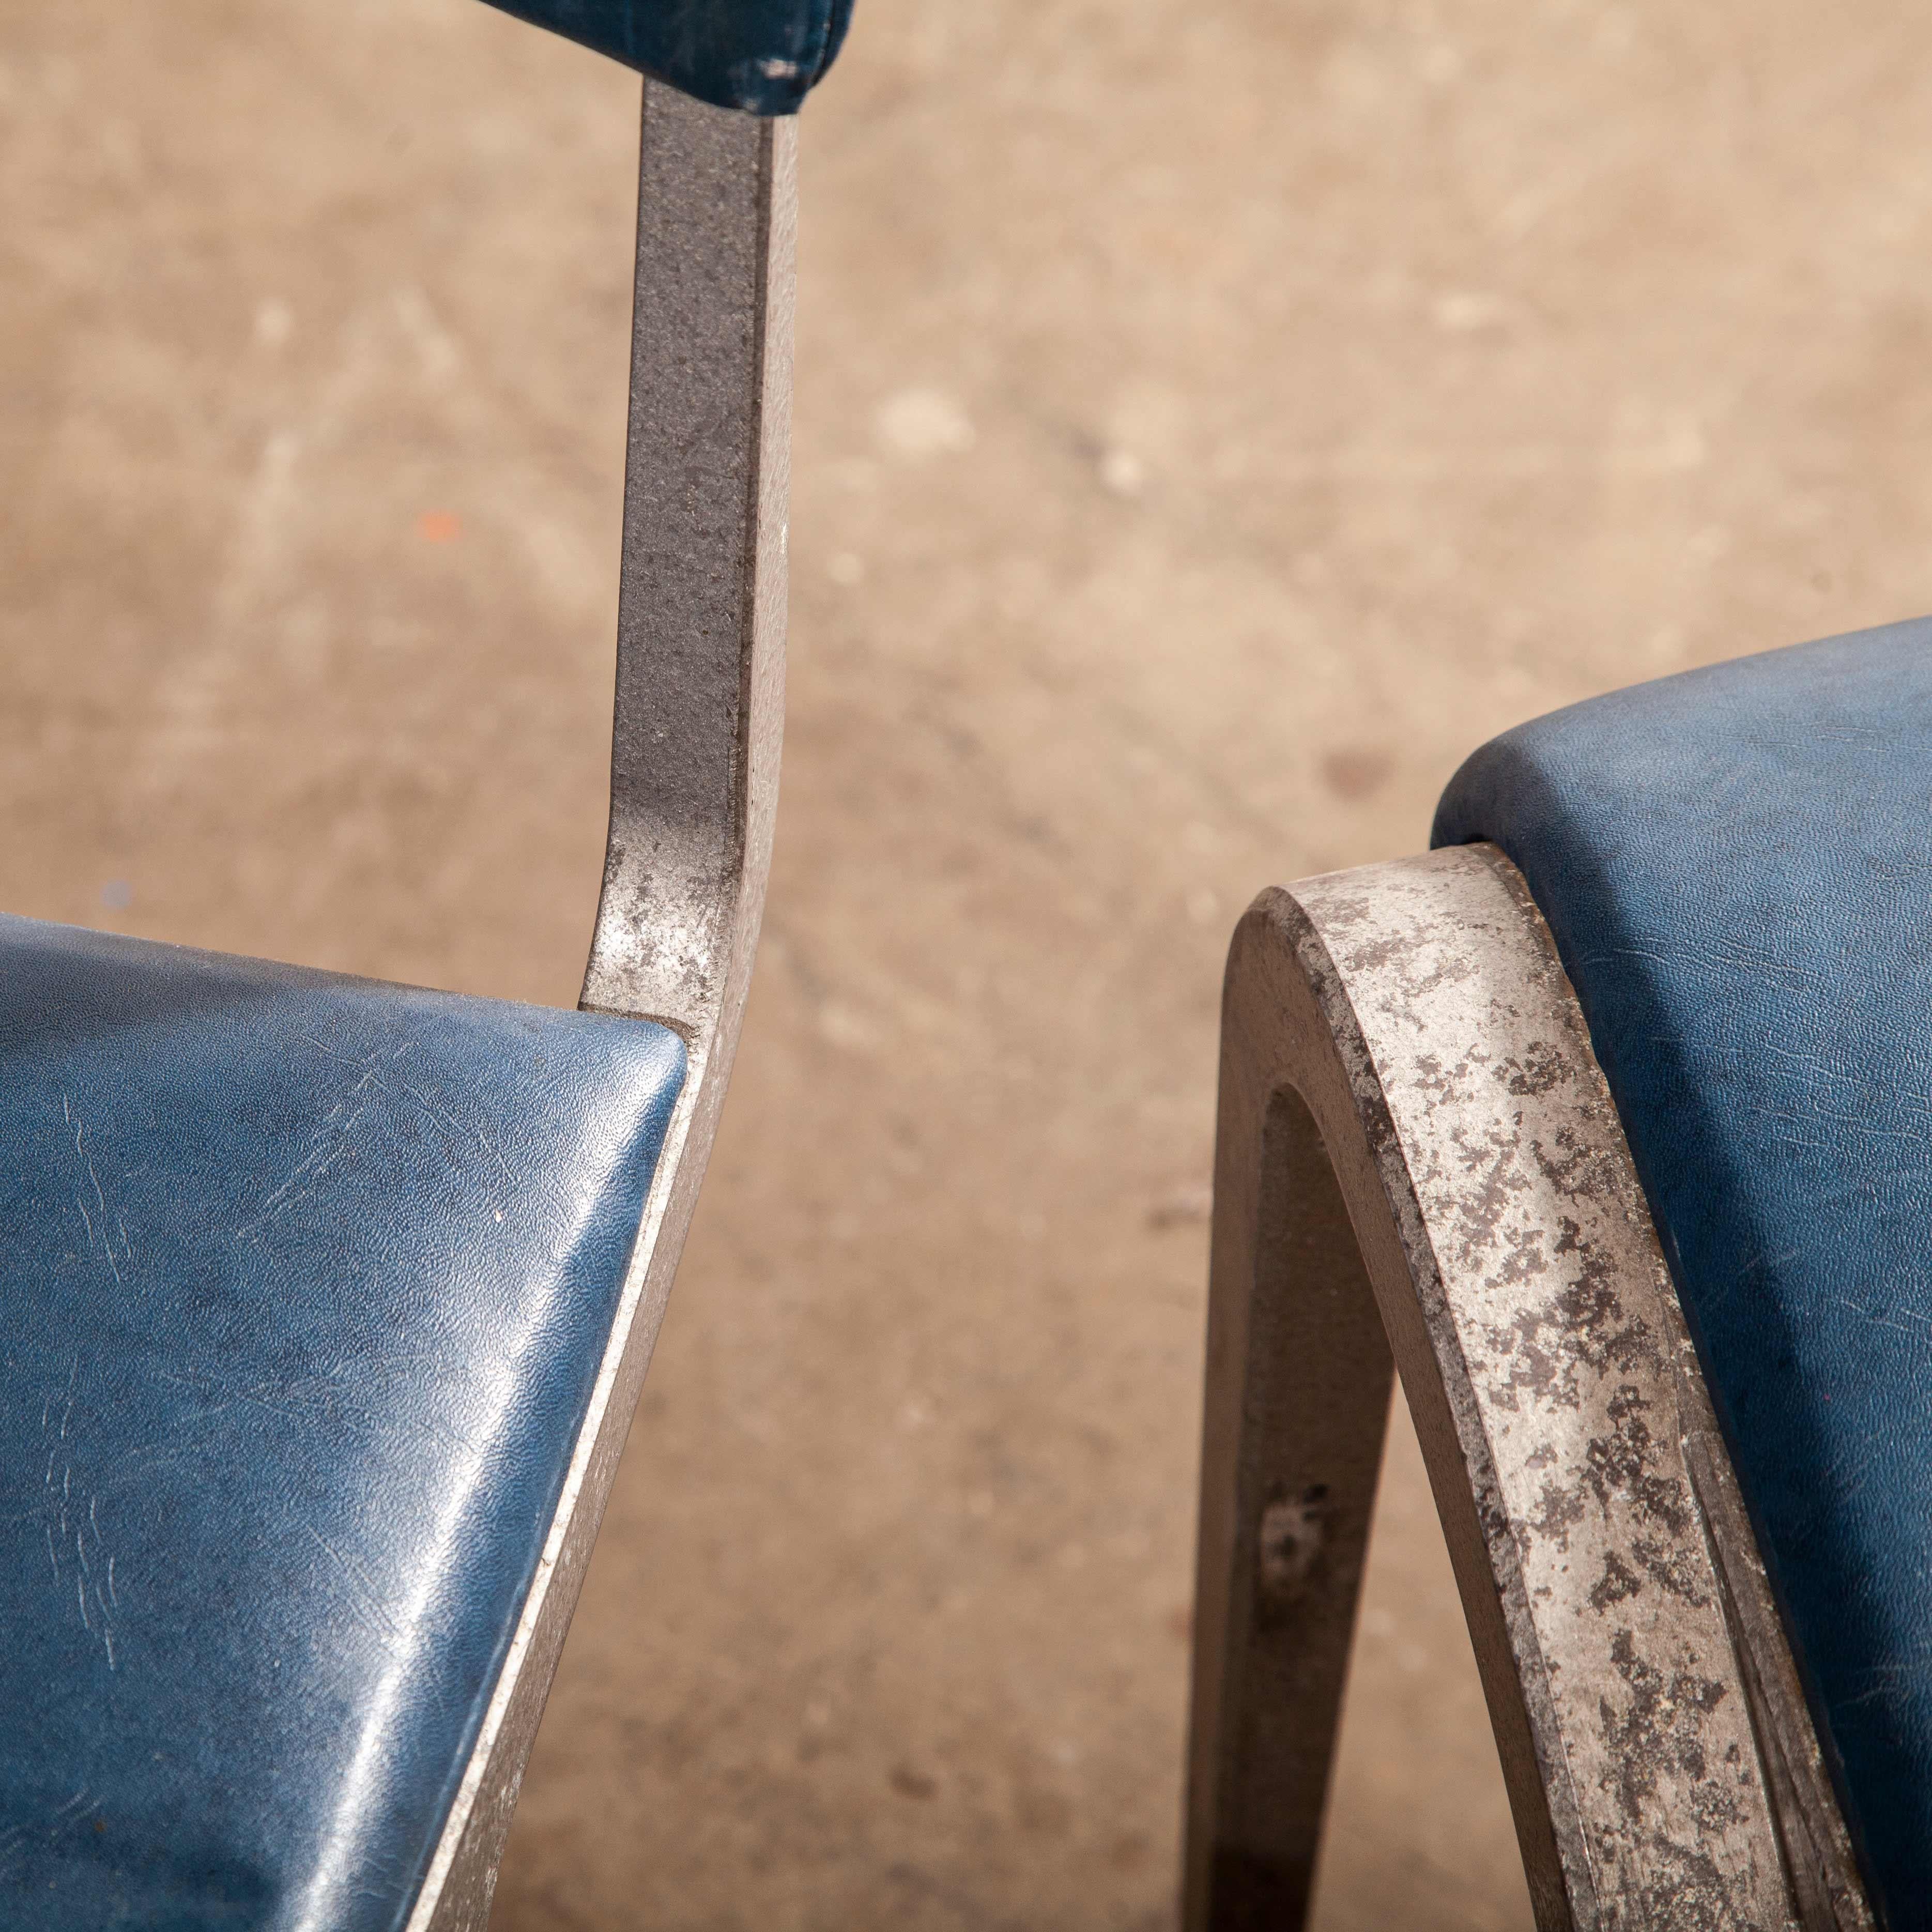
x=1298, y=1381
x=1416, y=1143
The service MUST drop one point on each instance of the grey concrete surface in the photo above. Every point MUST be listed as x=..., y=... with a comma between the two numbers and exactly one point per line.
x=1214, y=420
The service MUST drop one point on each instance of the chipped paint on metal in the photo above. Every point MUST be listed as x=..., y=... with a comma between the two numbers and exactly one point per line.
x=1554, y=1329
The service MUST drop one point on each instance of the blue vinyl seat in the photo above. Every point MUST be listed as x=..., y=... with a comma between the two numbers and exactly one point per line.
x=323, y=1303
x=1736, y=866
x=306, y=1282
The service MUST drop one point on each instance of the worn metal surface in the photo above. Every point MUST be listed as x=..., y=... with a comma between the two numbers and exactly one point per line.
x=1298, y=1383
x=700, y=675
x=1637, y=1680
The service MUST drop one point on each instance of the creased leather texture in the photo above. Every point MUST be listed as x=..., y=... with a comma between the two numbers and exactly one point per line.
x=1737, y=866
x=763, y=56
x=306, y=1283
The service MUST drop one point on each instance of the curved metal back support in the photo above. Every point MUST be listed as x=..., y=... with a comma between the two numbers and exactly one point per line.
x=694, y=764
x=1419, y=1167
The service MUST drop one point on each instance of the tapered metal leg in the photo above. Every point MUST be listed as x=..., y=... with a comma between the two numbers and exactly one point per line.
x=1419, y=1158
x=1297, y=1399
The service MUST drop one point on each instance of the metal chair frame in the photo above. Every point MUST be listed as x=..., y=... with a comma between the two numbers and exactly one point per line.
x=693, y=784
x=1420, y=1168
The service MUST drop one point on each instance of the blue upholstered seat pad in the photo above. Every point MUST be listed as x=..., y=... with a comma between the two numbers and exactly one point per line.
x=1737, y=866
x=304, y=1285
x=763, y=55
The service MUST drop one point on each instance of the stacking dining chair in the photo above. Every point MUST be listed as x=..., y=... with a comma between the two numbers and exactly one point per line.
x=1608, y=1124
x=324, y=1304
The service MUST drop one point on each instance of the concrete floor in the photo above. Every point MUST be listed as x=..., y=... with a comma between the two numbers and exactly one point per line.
x=1213, y=422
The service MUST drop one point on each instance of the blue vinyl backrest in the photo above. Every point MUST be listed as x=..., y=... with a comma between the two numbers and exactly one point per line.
x=1736, y=865
x=763, y=56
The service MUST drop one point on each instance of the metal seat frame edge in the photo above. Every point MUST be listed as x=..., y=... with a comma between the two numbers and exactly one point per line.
x=1419, y=1167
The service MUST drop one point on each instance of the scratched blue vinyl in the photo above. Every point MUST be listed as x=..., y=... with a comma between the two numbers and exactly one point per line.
x=1736, y=864
x=304, y=1284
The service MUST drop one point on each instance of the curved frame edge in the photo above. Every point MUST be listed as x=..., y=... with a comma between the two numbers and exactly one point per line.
x=1418, y=1157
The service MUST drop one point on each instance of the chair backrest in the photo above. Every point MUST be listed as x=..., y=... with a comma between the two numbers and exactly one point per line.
x=763, y=56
